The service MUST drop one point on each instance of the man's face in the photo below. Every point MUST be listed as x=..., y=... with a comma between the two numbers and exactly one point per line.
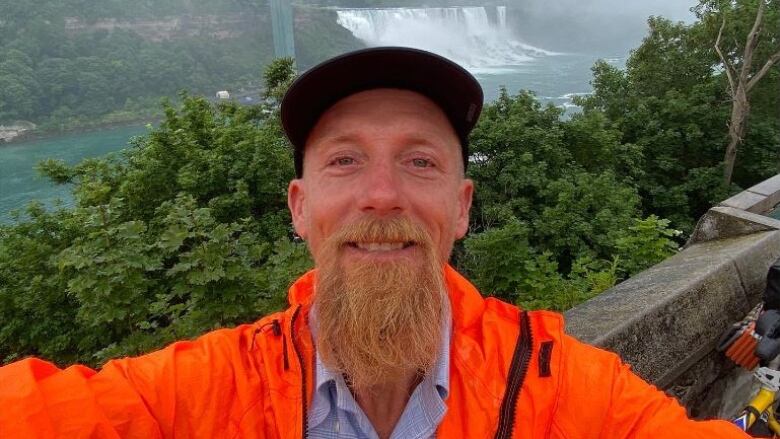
x=381, y=154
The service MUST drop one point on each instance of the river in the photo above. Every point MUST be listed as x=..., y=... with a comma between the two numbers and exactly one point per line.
x=19, y=181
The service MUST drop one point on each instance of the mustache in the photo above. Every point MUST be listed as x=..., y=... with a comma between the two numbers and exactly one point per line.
x=392, y=230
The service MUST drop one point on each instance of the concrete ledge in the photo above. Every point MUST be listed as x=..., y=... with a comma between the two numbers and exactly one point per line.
x=749, y=201
x=728, y=222
x=665, y=320
x=769, y=188
x=760, y=198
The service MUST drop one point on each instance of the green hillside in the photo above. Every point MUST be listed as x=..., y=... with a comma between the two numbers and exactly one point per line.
x=79, y=63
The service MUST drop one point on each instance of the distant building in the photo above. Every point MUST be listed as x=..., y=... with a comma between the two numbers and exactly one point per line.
x=223, y=94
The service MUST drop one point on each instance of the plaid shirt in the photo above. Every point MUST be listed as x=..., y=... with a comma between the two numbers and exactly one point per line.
x=334, y=413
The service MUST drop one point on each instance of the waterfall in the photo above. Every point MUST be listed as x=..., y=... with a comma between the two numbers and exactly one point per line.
x=463, y=34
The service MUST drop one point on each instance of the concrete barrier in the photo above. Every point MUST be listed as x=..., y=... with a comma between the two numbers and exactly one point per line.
x=666, y=320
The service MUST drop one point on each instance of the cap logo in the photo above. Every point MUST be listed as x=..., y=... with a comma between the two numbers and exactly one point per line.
x=470, y=113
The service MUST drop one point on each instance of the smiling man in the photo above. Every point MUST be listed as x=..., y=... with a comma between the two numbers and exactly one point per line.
x=380, y=204
x=383, y=339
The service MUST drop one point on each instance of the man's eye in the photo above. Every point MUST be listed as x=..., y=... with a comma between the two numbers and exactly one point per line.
x=344, y=161
x=422, y=163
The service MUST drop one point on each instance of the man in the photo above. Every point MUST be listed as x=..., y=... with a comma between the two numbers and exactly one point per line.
x=383, y=339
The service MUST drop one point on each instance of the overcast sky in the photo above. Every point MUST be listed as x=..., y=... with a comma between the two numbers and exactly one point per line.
x=592, y=25
x=674, y=9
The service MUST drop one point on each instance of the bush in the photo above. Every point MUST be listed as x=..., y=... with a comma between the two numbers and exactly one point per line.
x=186, y=231
x=502, y=263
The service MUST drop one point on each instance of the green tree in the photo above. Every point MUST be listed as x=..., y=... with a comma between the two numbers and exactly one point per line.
x=185, y=231
x=552, y=224
x=531, y=166
x=18, y=88
x=278, y=76
x=743, y=77
x=671, y=104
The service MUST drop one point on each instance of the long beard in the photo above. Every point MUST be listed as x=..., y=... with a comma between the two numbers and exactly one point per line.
x=379, y=322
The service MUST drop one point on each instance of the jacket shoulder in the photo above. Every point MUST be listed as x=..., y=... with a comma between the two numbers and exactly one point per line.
x=226, y=369
x=549, y=322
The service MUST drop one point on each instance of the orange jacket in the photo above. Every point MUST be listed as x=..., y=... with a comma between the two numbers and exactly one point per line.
x=255, y=381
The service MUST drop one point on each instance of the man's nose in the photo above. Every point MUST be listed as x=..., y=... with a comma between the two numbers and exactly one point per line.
x=381, y=191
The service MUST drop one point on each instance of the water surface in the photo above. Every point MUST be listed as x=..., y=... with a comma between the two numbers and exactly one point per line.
x=20, y=182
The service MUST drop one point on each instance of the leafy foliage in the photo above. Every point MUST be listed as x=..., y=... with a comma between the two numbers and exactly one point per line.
x=278, y=77
x=552, y=223
x=187, y=231
x=671, y=104
x=648, y=242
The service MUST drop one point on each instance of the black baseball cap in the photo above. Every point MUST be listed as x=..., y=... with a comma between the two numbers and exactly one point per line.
x=446, y=83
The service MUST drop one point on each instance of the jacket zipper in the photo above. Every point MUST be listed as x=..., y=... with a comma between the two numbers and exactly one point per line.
x=304, y=395
x=517, y=372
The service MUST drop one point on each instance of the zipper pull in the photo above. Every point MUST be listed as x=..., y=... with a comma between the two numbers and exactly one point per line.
x=545, y=352
x=276, y=327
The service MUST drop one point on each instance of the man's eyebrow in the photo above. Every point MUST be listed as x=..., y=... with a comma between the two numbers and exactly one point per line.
x=410, y=139
x=341, y=138
x=417, y=139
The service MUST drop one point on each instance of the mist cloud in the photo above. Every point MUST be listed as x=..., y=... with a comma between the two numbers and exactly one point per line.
x=588, y=9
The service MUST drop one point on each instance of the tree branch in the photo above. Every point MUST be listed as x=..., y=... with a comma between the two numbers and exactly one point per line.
x=751, y=43
x=759, y=17
x=726, y=64
x=774, y=59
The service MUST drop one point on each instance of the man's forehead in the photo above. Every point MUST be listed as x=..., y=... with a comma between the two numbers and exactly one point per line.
x=343, y=120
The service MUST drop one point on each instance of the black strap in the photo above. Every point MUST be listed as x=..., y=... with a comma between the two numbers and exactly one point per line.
x=545, y=352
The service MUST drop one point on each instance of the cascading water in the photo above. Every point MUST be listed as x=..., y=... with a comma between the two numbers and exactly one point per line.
x=463, y=34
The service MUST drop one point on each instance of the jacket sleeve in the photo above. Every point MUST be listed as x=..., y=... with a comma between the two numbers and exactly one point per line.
x=128, y=398
x=602, y=398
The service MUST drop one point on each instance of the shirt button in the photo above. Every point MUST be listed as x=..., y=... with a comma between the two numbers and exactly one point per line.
x=336, y=426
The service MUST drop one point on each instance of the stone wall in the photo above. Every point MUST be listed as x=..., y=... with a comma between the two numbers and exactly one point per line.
x=666, y=321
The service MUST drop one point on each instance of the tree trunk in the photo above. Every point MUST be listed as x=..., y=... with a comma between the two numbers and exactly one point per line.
x=739, y=111
x=740, y=83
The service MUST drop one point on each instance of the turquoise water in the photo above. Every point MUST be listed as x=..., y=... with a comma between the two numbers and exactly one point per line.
x=20, y=183
x=555, y=79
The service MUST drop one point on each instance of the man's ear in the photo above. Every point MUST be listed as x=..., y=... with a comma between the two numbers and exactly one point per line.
x=465, y=195
x=295, y=202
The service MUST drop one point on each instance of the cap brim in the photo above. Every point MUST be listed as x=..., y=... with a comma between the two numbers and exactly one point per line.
x=446, y=83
